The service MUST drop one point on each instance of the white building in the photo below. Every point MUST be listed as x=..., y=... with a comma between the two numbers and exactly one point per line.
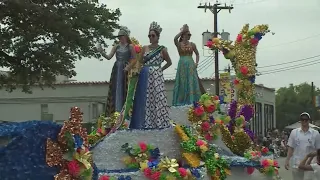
x=54, y=104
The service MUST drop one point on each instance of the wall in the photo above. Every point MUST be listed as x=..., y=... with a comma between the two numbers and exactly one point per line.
x=18, y=106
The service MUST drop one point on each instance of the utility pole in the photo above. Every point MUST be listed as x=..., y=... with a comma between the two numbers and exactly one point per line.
x=215, y=9
x=312, y=103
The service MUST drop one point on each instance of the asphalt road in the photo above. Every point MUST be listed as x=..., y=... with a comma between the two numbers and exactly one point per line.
x=285, y=174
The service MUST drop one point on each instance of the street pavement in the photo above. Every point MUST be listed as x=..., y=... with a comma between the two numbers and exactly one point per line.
x=285, y=174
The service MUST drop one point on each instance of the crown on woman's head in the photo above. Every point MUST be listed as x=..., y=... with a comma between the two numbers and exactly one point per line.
x=124, y=31
x=155, y=26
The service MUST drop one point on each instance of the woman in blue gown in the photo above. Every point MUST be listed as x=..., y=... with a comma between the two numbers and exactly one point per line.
x=150, y=107
x=125, y=53
x=187, y=85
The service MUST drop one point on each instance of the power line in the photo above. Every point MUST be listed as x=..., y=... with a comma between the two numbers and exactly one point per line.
x=288, y=69
x=289, y=62
x=290, y=42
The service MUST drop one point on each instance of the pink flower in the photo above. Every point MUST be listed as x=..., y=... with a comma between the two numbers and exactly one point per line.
x=143, y=146
x=104, y=177
x=200, y=142
x=73, y=168
x=211, y=108
x=275, y=163
x=265, y=163
x=239, y=38
x=205, y=126
x=209, y=44
x=137, y=48
x=183, y=172
x=208, y=137
x=198, y=111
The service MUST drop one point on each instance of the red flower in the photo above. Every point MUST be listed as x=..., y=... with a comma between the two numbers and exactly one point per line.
x=216, y=97
x=147, y=172
x=244, y=70
x=143, y=146
x=265, y=150
x=254, y=41
x=182, y=172
x=209, y=44
x=200, y=142
x=236, y=82
x=104, y=177
x=198, y=111
x=73, y=168
x=137, y=48
x=211, y=108
x=208, y=137
x=250, y=170
x=205, y=126
x=239, y=38
x=265, y=163
x=275, y=163
x=156, y=175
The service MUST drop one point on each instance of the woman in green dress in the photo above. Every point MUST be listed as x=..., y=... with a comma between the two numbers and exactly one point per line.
x=187, y=85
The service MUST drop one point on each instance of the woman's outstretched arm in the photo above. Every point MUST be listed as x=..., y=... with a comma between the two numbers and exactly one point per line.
x=110, y=55
x=176, y=39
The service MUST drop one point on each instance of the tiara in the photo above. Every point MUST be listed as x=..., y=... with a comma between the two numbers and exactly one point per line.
x=124, y=30
x=155, y=26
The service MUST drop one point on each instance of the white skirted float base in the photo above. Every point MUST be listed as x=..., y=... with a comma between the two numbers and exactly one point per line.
x=107, y=155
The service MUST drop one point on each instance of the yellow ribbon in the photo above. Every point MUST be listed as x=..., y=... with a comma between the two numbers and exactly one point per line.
x=170, y=164
x=83, y=158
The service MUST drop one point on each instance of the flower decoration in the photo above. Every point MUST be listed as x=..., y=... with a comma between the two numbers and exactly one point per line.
x=265, y=151
x=253, y=155
x=270, y=167
x=199, y=149
x=71, y=153
x=140, y=154
x=105, y=126
x=148, y=159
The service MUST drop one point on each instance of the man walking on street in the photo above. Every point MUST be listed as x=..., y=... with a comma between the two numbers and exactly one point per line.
x=301, y=142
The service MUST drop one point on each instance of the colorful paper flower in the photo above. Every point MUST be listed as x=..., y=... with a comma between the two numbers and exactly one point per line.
x=143, y=146
x=198, y=111
x=73, y=168
x=205, y=126
x=182, y=172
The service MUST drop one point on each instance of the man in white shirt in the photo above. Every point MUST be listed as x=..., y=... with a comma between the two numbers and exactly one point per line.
x=306, y=164
x=301, y=142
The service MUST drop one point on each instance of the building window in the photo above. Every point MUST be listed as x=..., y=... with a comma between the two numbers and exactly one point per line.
x=269, y=116
x=44, y=109
x=258, y=119
x=95, y=111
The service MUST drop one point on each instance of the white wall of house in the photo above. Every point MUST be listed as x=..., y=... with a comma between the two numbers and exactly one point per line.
x=89, y=96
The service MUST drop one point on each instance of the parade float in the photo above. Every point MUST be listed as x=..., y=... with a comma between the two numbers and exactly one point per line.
x=207, y=140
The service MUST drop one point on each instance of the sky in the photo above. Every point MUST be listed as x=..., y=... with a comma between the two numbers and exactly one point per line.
x=295, y=24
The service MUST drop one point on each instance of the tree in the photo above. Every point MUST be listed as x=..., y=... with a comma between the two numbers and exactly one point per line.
x=292, y=101
x=40, y=39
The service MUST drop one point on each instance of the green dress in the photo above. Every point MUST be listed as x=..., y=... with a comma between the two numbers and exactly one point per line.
x=187, y=85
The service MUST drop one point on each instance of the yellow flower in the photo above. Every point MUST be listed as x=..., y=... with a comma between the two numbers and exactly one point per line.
x=216, y=155
x=170, y=164
x=143, y=165
x=204, y=148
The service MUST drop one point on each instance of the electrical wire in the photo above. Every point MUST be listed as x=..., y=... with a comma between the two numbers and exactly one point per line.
x=288, y=68
x=290, y=42
x=289, y=62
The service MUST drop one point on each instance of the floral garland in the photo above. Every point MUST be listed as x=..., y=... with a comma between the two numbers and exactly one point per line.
x=270, y=167
x=104, y=127
x=201, y=115
x=147, y=159
x=71, y=152
x=216, y=166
